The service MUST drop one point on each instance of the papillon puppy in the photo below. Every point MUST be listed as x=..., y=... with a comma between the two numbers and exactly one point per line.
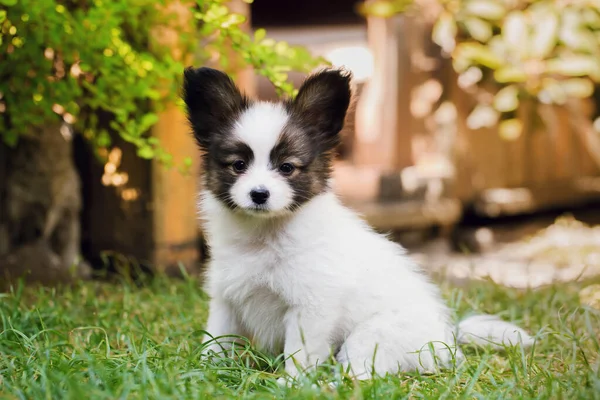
x=293, y=269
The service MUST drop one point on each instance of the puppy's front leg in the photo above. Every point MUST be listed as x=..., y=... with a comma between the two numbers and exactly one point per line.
x=221, y=322
x=306, y=341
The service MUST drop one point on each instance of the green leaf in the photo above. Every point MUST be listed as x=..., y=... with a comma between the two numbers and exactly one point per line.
x=578, y=87
x=10, y=138
x=574, y=65
x=579, y=39
x=281, y=47
x=514, y=32
x=260, y=34
x=488, y=9
x=8, y=3
x=544, y=35
x=510, y=74
x=507, y=99
x=478, y=29
x=444, y=32
x=552, y=92
x=147, y=121
x=153, y=94
x=478, y=53
x=482, y=116
x=268, y=42
x=103, y=139
x=510, y=129
x=379, y=8
x=233, y=19
x=145, y=152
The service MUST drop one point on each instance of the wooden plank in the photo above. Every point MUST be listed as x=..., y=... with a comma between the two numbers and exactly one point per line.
x=174, y=195
x=581, y=114
x=497, y=202
x=562, y=145
x=517, y=154
x=409, y=214
x=377, y=126
x=358, y=188
x=175, y=227
x=468, y=179
x=543, y=143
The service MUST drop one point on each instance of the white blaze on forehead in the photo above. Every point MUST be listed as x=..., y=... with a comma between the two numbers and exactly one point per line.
x=260, y=127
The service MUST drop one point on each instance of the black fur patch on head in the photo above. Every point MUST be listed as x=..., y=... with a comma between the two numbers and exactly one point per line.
x=320, y=107
x=213, y=105
x=312, y=167
x=219, y=175
x=317, y=116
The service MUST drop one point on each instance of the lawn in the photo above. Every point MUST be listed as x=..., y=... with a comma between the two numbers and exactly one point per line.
x=109, y=341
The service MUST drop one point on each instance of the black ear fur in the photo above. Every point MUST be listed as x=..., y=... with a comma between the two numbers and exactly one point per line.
x=321, y=104
x=213, y=102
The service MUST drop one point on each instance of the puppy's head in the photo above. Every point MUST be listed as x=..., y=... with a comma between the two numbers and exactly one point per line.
x=266, y=159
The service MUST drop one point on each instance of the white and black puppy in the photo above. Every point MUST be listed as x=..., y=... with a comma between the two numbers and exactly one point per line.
x=293, y=269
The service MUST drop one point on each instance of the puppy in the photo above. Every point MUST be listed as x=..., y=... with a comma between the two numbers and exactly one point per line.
x=291, y=268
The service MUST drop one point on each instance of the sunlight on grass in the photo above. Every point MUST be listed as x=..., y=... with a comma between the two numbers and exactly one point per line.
x=105, y=341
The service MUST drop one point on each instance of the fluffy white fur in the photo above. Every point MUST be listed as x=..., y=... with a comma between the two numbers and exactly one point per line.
x=319, y=281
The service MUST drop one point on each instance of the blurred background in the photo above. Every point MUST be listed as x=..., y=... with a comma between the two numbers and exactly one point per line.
x=474, y=139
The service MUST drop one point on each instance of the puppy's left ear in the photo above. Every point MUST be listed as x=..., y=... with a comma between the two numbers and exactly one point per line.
x=321, y=104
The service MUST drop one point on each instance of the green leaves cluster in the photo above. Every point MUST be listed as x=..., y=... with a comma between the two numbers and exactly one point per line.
x=269, y=58
x=74, y=60
x=546, y=50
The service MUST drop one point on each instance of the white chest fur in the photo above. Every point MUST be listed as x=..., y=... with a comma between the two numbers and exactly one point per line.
x=264, y=269
x=251, y=282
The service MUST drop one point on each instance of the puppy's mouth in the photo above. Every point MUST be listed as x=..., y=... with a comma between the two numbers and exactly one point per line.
x=257, y=210
x=263, y=212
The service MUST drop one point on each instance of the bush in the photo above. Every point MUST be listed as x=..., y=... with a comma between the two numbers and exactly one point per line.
x=68, y=61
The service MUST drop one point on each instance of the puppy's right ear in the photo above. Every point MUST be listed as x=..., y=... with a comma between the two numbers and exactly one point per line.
x=213, y=102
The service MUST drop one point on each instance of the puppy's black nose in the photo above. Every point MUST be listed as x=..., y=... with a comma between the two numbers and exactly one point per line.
x=259, y=195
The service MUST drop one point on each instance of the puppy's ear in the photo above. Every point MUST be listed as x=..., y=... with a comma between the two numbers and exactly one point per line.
x=213, y=102
x=321, y=105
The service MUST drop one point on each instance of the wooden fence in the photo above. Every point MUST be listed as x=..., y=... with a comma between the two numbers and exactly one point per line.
x=415, y=160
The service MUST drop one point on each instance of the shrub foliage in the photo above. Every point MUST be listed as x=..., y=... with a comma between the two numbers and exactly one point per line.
x=71, y=60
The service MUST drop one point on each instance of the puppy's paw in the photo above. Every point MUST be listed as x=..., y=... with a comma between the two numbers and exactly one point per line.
x=285, y=381
x=212, y=348
x=333, y=385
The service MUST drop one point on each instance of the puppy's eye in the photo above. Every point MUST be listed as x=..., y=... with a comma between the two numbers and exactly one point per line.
x=239, y=166
x=286, y=168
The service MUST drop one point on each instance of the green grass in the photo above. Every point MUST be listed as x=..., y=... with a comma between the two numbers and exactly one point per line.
x=105, y=341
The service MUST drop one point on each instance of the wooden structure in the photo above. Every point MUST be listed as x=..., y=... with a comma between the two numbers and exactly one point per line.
x=382, y=179
x=416, y=163
x=175, y=228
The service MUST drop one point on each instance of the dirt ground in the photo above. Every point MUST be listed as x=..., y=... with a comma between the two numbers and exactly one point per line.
x=529, y=253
